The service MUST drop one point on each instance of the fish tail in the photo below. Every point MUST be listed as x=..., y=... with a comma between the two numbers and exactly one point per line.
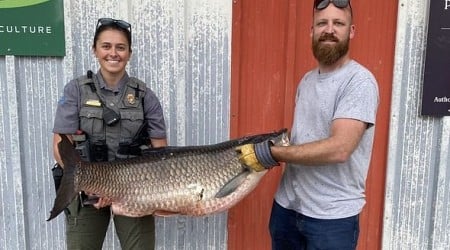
x=67, y=191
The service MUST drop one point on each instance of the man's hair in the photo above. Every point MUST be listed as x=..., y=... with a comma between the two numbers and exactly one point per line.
x=316, y=2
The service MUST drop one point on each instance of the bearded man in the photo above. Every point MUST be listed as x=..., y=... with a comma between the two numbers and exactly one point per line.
x=322, y=191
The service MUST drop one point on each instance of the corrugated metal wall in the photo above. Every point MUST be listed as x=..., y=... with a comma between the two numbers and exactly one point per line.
x=261, y=59
x=417, y=203
x=181, y=49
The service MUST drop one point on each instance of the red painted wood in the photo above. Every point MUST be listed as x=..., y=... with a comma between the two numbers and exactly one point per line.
x=271, y=50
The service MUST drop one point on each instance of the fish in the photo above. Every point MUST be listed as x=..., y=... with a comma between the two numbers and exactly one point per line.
x=166, y=181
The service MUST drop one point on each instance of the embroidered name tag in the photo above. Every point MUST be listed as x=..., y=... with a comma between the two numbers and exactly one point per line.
x=95, y=103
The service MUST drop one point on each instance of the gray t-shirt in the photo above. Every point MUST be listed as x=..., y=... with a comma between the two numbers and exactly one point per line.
x=335, y=190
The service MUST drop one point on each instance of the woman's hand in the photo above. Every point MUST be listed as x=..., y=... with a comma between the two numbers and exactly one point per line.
x=102, y=202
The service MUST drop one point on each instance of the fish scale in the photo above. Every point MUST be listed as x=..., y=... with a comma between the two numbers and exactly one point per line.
x=191, y=180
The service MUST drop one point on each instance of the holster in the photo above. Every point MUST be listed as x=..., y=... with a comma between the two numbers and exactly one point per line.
x=57, y=173
x=139, y=141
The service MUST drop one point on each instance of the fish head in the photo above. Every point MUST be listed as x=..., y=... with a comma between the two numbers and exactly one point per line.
x=282, y=139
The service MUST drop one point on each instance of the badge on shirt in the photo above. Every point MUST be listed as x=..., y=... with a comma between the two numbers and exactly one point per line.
x=131, y=99
x=95, y=103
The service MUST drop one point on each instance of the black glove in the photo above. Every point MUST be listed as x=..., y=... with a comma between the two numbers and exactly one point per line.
x=264, y=155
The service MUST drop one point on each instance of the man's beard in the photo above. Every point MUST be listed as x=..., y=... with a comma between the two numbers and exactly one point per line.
x=328, y=54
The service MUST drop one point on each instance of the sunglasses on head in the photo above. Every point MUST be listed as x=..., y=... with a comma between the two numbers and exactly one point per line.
x=322, y=4
x=110, y=21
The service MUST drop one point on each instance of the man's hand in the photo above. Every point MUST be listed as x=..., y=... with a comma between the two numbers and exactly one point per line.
x=257, y=156
x=248, y=157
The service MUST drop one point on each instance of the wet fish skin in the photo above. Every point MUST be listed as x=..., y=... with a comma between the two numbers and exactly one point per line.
x=192, y=180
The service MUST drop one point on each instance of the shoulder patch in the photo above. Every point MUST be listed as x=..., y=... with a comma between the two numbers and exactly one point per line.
x=62, y=100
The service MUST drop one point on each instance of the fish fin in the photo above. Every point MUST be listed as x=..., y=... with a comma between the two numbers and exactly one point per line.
x=231, y=186
x=66, y=192
x=163, y=213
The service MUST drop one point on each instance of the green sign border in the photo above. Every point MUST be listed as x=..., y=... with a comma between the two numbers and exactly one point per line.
x=32, y=28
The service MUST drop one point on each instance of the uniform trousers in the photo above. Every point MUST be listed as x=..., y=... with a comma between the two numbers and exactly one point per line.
x=86, y=228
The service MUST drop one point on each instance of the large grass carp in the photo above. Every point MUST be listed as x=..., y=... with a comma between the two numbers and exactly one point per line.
x=188, y=180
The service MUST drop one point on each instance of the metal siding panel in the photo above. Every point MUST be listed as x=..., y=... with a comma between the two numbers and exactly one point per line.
x=416, y=214
x=180, y=49
x=441, y=222
x=378, y=56
x=33, y=81
x=259, y=94
x=12, y=225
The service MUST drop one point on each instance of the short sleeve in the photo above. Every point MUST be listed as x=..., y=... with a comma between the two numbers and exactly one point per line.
x=67, y=110
x=154, y=115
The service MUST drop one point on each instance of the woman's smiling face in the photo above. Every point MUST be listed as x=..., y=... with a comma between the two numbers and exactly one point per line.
x=113, y=52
